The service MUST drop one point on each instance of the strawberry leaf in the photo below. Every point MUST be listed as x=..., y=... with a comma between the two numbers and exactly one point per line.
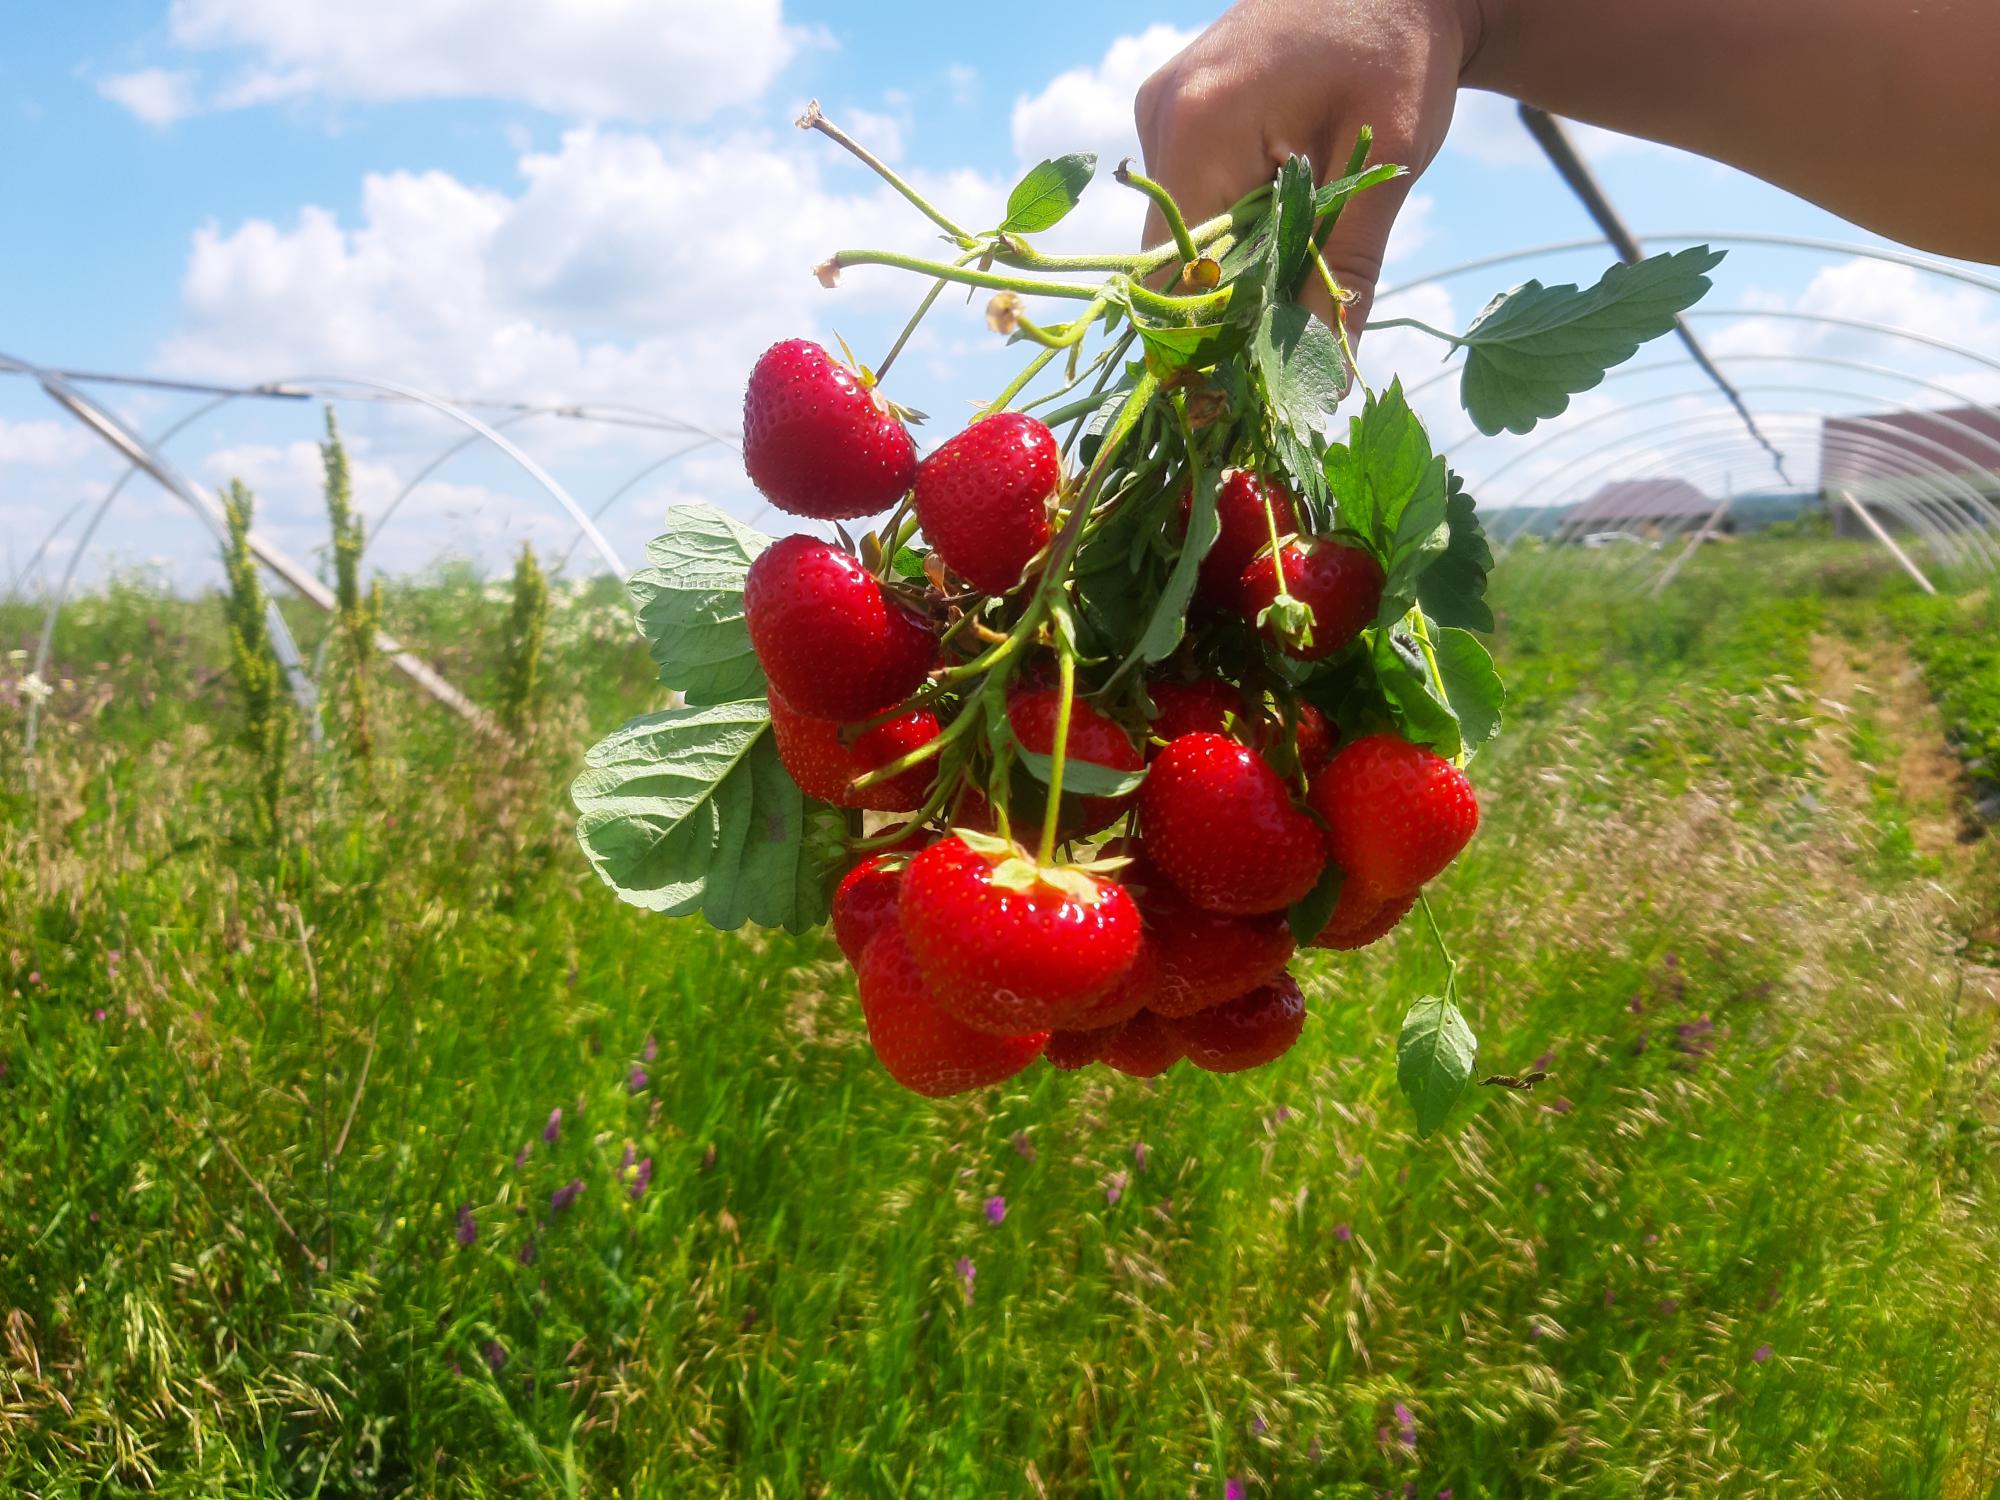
x=1193, y=347
x=689, y=604
x=1534, y=347
x=1304, y=373
x=1390, y=492
x=1042, y=199
x=1081, y=778
x=1308, y=915
x=1168, y=620
x=1292, y=217
x=1415, y=709
x=1470, y=684
x=1434, y=1058
x=690, y=810
x=1452, y=587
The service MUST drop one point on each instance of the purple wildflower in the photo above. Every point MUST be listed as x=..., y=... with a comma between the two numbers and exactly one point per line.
x=1406, y=1426
x=1114, y=1187
x=34, y=976
x=651, y=1050
x=996, y=1209
x=1258, y=1427
x=98, y=1014
x=565, y=1195
x=636, y=1080
x=1141, y=1153
x=521, y=1157
x=494, y=1355
x=966, y=1271
x=526, y=1254
x=1444, y=1495
x=1562, y=1105
x=1342, y=1233
x=1541, y=1190
x=1234, y=1490
x=1284, y=1113
x=553, y=1129
x=631, y=1155
x=1546, y=1061
x=468, y=1227
x=1313, y=1449
x=1023, y=1147
x=1761, y=1353
x=1669, y=1307
x=642, y=1179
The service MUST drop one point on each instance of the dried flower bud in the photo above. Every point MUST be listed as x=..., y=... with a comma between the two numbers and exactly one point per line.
x=1003, y=313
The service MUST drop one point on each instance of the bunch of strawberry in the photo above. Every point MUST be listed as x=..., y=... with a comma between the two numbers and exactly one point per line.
x=1213, y=821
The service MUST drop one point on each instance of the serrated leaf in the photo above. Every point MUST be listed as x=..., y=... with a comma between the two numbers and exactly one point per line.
x=1336, y=193
x=1292, y=226
x=1308, y=915
x=1452, y=587
x=1197, y=346
x=1434, y=1057
x=690, y=810
x=1417, y=712
x=1389, y=490
x=1534, y=347
x=1081, y=778
x=1042, y=199
x=1470, y=684
x=908, y=563
x=689, y=603
x=1305, y=374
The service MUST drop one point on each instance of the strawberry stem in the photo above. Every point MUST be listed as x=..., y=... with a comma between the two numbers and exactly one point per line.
x=815, y=119
x=1059, y=751
x=1444, y=952
x=1164, y=202
x=1028, y=286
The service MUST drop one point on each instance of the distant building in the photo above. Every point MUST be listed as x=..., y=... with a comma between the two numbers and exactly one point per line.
x=1643, y=507
x=1945, y=462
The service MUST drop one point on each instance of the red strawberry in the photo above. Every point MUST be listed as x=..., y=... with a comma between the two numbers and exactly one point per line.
x=922, y=1047
x=1342, y=584
x=1220, y=824
x=1362, y=915
x=824, y=767
x=1131, y=994
x=983, y=498
x=1315, y=740
x=1143, y=1047
x=819, y=442
x=1239, y=510
x=1205, y=706
x=1204, y=956
x=1011, y=947
x=832, y=643
x=865, y=902
x=1092, y=737
x=1246, y=1032
x=1396, y=813
x=1071, y=1050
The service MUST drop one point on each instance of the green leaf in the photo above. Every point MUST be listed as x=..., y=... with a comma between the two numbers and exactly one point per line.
x=1308, y=914
x=1417, y=712
x=1336, y=193
x=1533, y=348
x=908, y=563
x=1043, y=198
x=1081, y=778
x=689, y=601
x=1168, y=620
x=1434, y=1057
x=1452, y=587
x=1305, y=374
x=1115, y=571
x=689, y=810
x=1171, y=350
x=1470, y=683
x=1390, y=491
x=1292, y=227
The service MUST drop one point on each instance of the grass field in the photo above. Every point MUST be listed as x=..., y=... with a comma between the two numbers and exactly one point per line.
x=395, y=1157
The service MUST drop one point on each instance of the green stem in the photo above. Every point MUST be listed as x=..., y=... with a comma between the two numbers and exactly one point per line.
x=1164, y=202
x=964, y=275
x=1339, y=298
x=909, y=328
x=1437, y=333
x=1170, y=306
x=1356, y=160
x=813, y=119
x=1015, y=386
x=1420, y=628
x=1444, y=952
x=918, y=756
x=1059, y=751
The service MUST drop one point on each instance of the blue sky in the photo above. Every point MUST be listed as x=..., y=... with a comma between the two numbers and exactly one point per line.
x=561, y=203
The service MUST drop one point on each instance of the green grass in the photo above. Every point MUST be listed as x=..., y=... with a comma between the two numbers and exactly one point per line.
x=1742, y=1241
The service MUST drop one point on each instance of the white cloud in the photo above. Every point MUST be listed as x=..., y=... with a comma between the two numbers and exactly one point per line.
x=1090, y=108
x=605, y=59
x=964, y=83
x=880, y=133
x=155, y=96
x=42, y=443
x=1487, y=128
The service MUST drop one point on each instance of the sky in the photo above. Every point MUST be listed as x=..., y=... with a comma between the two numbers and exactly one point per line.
x=605, y=203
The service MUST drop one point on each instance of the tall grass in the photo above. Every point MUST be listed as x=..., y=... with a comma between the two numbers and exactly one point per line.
x=286, y=1207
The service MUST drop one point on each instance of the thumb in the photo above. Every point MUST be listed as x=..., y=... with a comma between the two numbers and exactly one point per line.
x=1354, y=253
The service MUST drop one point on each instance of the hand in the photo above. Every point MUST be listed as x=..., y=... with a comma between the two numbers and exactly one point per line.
x=1274, y=77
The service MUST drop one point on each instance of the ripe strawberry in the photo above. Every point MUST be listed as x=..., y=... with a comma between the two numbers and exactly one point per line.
x=1205, y=957
x=832, y=643
x=1204, y=706
x=1341, y=584
x=983, y=498
x=865, y=902
x=824, y=767
x=1361, y=915
x=1245, y=528
x=819, y=442
x=921, y=1046
x=1315, y=740
x=1220, y=824
x=1143, y=1047
x=1396, y=813
x=1092, y=737
x=1070, y=1050
x=1009, y=946
x=1246, y=1032
x=1132, y=993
